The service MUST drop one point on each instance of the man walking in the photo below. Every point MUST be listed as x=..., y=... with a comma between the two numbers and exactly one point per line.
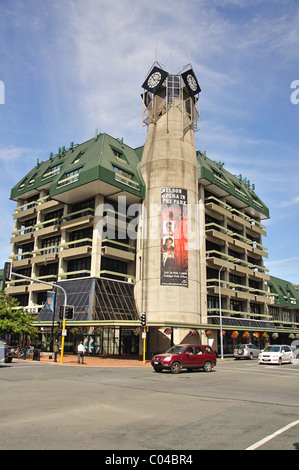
x=80, y=353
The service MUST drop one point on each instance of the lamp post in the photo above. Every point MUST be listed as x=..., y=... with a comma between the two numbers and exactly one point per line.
x=220, y=309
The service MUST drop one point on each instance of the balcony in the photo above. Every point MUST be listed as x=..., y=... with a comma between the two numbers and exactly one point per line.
x=47, y=227
x=22, y=235
x=118, y=250
x=76, y=249
x=77, y=218
x=239, y=291
x=43, y=255
x=25, y=210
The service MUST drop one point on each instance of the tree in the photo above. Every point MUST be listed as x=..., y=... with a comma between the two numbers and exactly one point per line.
x=14, y=320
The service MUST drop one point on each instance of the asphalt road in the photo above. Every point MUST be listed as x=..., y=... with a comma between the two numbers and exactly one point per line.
x=53, y=406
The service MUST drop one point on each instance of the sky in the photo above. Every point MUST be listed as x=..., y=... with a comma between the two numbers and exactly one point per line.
x=68, y=67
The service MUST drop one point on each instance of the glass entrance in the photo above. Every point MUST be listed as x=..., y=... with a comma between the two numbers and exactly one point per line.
x=129, y=342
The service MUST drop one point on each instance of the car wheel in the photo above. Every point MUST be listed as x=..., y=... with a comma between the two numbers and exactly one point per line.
x=240, y=351
x=176, y=367
x=208, y=366
x=250, y=356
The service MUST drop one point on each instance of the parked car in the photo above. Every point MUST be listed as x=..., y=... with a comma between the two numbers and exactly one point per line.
x=246, y=351
x=10, y=353
x=276, y=354
x=185, y=356
x=295, y=350
x=3, y=351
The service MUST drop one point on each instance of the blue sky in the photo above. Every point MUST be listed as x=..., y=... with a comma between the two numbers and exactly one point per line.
x=68, y=67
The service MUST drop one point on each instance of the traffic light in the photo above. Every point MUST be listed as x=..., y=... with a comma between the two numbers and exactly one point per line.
x=7, y=271
x=143, y=319
x=69, y=312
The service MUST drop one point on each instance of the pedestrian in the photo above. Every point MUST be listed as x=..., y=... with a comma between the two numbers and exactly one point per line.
x=80, y=353
x=56, y=350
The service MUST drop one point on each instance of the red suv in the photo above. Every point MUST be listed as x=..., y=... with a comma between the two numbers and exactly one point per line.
x=185, y=356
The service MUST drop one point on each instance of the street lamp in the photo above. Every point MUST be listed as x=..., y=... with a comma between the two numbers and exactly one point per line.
x=220, y=309
x=49, y=284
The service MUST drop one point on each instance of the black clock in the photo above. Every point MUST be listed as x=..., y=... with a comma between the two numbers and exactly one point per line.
x=191, y=82
x=154, y=80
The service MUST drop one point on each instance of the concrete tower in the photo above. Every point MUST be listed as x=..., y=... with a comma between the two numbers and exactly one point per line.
x=167, y=287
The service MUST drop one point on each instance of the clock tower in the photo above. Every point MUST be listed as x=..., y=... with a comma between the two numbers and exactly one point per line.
x=168, y=271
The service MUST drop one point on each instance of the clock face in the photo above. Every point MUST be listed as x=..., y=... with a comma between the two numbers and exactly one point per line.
x=154, y=79
x=192, y=82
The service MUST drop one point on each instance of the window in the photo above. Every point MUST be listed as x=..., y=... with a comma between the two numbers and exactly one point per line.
x=70, y=177
x=255, y=308
x=49, y=270
x=81, y=235
x=235, y=279
x=82, y=208
x=28, y=225
x=79, y=264
x=236, y=306
x=52, y=171
x=116, y=266
x=27, y=250
x=53, y=218
x=213, y=302
x=173, y=87
x=77, y=158
x=274, y=311
x=120, y=156
x=52, y=243
x=125, y=177
x=286, y=315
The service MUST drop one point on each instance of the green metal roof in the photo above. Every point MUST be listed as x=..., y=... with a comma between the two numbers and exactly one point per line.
x=287, y=295
x=236, y=187
x=93, y=160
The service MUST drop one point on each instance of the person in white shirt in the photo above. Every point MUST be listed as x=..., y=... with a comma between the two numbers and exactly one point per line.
x=80, y=353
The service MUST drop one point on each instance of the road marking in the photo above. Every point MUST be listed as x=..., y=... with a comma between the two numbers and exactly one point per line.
x=271, y=436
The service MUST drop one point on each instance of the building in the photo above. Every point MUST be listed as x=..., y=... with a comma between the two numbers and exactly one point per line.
x=160, y=230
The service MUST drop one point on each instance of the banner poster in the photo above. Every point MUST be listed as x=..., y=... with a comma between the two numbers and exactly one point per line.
x=174, y=237
x=51, y=301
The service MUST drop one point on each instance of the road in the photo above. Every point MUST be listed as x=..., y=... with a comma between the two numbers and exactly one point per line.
x=53, y=406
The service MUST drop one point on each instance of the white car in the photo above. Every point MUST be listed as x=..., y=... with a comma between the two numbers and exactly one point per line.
x=276, y=354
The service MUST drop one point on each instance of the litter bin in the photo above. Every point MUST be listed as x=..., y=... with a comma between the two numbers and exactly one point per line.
x=36, y=355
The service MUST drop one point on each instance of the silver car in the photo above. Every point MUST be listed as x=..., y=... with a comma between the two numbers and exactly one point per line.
x=246, y=351
x=3, y=351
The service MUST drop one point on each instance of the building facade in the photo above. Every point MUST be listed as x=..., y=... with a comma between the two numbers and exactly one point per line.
x=160, y=230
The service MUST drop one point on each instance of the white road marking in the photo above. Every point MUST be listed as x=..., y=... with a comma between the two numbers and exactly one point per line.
x=271, y=436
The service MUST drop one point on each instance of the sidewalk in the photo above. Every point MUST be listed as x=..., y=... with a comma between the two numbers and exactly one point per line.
x=95, y=361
